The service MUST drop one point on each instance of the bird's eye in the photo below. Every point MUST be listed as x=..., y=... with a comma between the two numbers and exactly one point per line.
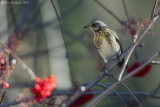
x=94, y=25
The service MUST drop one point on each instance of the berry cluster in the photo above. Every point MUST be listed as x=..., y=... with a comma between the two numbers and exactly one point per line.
x=43, y=87
x=142, y=72
x=3, y=63
x=5, y=71
x=4, y=84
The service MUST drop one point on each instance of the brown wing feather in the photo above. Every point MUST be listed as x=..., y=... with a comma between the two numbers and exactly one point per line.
x=117, y=39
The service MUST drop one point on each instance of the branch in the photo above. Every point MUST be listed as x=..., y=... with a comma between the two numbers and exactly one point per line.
x=16, y=102
x=154, y=9
x=79, y=91
x=125, y=9
x=110, y=12
x=156, y=89
x=139, y=37
x=115, y=93
x=23, y=65
x=131, y=93
x=155, y=62
x=2, y=97
x=116, y=84
x=62, y=34
x=140, y=94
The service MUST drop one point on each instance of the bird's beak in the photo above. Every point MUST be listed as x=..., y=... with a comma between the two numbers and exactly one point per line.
x=88, y=26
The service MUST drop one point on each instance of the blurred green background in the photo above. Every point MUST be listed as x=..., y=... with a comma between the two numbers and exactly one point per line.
x=70, y=54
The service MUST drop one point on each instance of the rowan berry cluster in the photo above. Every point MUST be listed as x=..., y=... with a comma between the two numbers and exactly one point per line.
x=43, y=87
x=5, y=70
x=4, y=84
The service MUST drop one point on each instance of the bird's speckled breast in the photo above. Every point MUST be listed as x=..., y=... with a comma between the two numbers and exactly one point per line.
x=100, y=36
x=105, y=43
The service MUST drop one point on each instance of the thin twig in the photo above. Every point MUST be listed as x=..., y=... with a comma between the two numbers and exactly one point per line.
x=62, y=34
x=14, y=20
x=2, y=97
x=23, y=65
x=155, y=62
x=16, y=102
x=140, y=94
x=131, y=93
x=139, y=37
x=116, y=84
x=110, y=12
x=79, y=92
x=156, y=89
x=114, y=92
x=128, y=25
x=125, y=10
x=154, y=9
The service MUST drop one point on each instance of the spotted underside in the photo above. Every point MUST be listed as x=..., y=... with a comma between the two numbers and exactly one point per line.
x=106, y=42
x=100, y=35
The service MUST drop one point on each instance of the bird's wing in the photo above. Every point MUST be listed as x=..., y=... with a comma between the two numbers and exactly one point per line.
x=117, y=39
x=111, y=32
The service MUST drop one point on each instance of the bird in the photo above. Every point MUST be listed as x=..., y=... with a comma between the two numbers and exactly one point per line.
x=106, y=41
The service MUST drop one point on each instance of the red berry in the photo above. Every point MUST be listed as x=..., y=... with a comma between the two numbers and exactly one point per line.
x=4, y=84
x=37, y=87
x=142, y=72
x=133, y=32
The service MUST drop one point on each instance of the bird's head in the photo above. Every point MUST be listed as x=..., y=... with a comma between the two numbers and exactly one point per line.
x=96, y=25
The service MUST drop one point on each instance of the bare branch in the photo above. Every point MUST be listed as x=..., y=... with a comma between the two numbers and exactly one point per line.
x=114, y=92
x=23, y=65
x=140, y=94
x=78, y=93
x=125, y=10
x=139, y=37
x=116, y=84
x=16, y=102
x=110, y=12
x=155, y=62
x=2, y=97
x=154, y=9
x=131, y=93
x=156, y=89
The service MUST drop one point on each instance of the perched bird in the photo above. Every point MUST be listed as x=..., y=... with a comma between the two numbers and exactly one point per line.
x=106, y=41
